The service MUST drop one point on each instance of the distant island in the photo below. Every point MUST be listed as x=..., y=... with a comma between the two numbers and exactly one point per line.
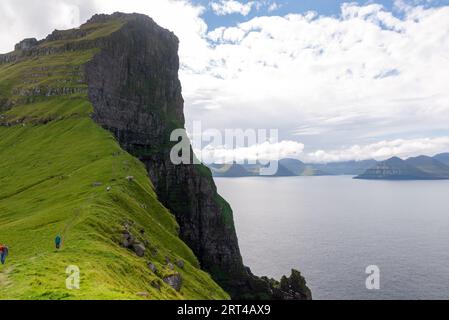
x=415, y=168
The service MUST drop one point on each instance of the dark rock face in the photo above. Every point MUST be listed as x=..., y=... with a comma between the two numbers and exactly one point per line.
x=26, y=44
x=294, y=287
x=134, y=88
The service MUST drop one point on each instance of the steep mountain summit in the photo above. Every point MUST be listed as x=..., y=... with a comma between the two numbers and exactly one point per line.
x=85, y=117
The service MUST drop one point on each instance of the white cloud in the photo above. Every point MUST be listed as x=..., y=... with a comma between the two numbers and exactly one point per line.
x=328, y=81
x=232, y=34
x=362, y=77
x=225, y=7
x=25, y=19
x=273, y=7
x=382, y=150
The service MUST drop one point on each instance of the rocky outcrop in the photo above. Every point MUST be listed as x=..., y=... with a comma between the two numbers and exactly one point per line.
x=139, y=249
x=136, y=94
x=293, y=288
x=26, y=44
x=174, y=281
x=129, y=241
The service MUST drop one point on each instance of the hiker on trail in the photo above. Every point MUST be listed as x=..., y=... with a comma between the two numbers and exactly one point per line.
x=3, y=253
x=58, y=241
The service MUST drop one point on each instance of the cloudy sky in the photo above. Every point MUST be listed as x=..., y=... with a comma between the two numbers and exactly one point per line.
x=340, y=80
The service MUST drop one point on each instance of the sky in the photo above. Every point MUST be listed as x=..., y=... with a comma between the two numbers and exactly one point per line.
x=339, y=80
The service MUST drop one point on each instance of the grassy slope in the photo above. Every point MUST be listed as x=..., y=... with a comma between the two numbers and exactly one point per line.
x=49, y=161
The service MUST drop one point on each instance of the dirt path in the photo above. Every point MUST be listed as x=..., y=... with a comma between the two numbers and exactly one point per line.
x=4, y=277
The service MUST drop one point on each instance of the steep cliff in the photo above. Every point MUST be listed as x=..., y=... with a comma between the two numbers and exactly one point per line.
x=136, y=94
x=131, y=80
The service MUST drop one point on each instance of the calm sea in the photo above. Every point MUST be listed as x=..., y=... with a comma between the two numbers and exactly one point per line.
x=332, y=228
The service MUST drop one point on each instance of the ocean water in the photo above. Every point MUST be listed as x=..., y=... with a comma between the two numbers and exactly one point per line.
x=333, y=228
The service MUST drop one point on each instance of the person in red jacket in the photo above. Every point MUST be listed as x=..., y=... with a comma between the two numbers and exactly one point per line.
x=3, y=253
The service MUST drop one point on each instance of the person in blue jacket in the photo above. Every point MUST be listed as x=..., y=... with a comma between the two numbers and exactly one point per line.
x=58, y=241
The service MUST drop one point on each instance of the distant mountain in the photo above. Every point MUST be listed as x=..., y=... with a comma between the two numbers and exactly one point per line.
x=230, y=170
x=310, y=171
x=294, y=166
x=299, y=168
x=286, y=168
x=416, y=168
x=245, y=170
x=283, y=171
x=398, y=169
x=442, y=157
x=345, y=167
x=430, y=166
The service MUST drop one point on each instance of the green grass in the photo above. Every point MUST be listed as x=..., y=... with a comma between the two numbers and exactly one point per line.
x=46, y=176
x=52, y=159
x=44, y=73
x=55, y=108
x=94, y=31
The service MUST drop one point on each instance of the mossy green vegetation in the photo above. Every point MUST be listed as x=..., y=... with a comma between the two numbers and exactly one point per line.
x=61, y=173
x=89, y=31
x=37, y=78
x=48, y=177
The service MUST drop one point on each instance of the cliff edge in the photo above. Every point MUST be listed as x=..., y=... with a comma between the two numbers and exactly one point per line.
x=132, y=82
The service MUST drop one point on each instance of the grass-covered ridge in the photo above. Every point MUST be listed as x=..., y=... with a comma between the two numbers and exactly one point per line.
x=56, y=166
